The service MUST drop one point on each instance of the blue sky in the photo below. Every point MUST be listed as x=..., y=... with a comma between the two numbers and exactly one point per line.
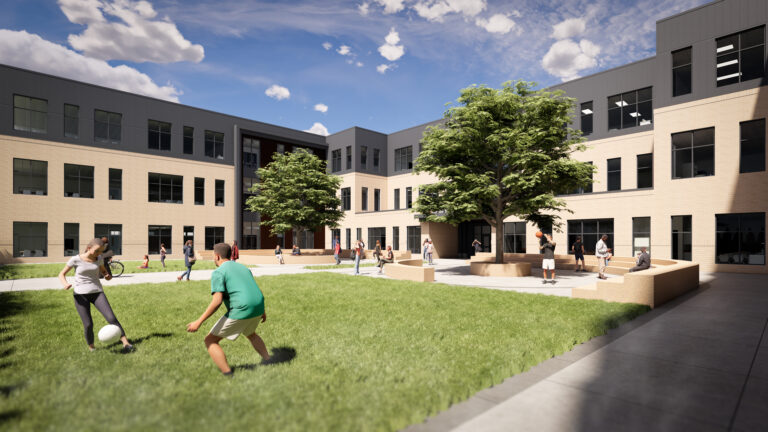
x=384, y=65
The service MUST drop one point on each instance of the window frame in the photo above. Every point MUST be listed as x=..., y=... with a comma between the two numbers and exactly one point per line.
x=164, y=184
x=112, y=126
x=364, y=198
x=613, y=175
x=584, y=107
x=641, y=169
x=404, y=158
x=681, y=69
x=30, y=112
x=625, y=103
x=188, y=140
x=676, y=151
x=219, y=192
x=81, y=177
x=72, y=121
x=115, y=183
x=158, y=135
x=740, y=233
x=336, y=160
x=199, y=189
x=682, y=235
x=17, y=235
x=761, y=164
x=18, y=189
x=163, y=235
x=214, y=144
x=725, y=57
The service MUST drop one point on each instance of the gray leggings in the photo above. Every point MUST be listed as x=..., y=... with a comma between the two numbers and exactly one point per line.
x=83, y=306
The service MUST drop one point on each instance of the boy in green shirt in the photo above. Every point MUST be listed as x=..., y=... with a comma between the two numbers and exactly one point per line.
x=233, y=284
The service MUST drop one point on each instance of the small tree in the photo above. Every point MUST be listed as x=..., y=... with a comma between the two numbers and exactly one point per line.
x=295, y=192
x=502, y=152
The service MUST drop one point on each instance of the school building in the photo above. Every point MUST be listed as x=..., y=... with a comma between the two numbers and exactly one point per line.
x=678, y=141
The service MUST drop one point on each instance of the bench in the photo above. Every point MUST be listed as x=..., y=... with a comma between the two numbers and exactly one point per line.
x=410, y=269
x=508, y=269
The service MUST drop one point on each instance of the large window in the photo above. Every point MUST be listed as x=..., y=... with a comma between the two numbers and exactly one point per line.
x=363, y=157
x=115, y=184
x=414, y=239
x=346, y=199
x=189, y=234
x=71, y=121
x=71, y=239
x=166, y=188
x=159, y=135
x=740, y=239
x=590, y=231
x=681, y=72
x=586, y=118
x=250, y=235
x=189, y=140
x=78, y=181
x=213, y=235
x=377, y=200
x=214, y=144
x=199, y=191
x=641, y=234
x=408, y=197
x=682, y=239
x=251, y=149
x=397, y=199
x=107, y=127
x=159, y=234
x=113, y=233
x=364, y=199
x=348, y=237
x=693, y=153
x=514, y=237
x=395, y=238
x=30, y=114
x=30, y=177
x=376, y=159
x=645, y=170
x=741, y=56
x=630, y=109
x=614, y=174
x=404, y=158
x=219, y=193
x=377, y=233
x=30, y=239
x=336, y=160
x=349, y=158
x=752, y=151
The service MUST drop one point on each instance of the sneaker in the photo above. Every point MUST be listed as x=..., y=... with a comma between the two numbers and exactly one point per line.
x=128, y=349
x=229, y=374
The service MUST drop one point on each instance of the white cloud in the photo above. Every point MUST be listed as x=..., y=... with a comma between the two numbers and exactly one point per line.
x=383, y=68
x=496, y=24
x=135, y=35
x=359, y=64
x=323, y=108
x=569, y=28
x=391, y=50
x=566, y=58
x=327, y=45
x=30, y=51
x=363, y=8
x=318, y=129
x=278, y=92
x=435, y=10
x=344, y=50
x=391, y=6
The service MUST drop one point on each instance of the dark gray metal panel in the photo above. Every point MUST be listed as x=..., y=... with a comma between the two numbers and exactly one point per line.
x=341, y=140
x=372, y=140
x=238, y=185
x=408, y=137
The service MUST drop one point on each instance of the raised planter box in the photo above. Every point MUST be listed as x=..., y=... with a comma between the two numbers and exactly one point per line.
x=410, y=269
x=517, y=269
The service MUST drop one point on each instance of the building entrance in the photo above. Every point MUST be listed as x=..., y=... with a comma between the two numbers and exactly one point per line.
x=468, y=232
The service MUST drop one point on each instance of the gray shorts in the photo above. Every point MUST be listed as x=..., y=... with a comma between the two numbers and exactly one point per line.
x=231, y=328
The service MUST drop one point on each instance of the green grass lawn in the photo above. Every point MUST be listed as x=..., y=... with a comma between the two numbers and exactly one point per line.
x=27, y=271
x=371, y=354
x=334, y=266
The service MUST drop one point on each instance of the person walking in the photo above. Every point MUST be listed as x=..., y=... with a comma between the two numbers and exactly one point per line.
x=643, y=261
x=477, y=246
x=430, y=252
x=189, y=259
x=163, y=252
x=377, y=251
x=602, y=252
x=279, y=254
x=337, y=251
x=548, y=262
x=578, y=252
x=424, y=249
x=235, y=251
x=388, y=258
x=358, y=254
x=88, y=290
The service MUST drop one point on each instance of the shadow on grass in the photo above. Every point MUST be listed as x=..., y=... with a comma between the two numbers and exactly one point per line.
x=279, y=355
x=9, y=415
x=6, y=390
x=118, y=346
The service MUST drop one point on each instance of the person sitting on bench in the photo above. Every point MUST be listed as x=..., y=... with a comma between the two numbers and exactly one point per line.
x=643, y=261
x=389, y=257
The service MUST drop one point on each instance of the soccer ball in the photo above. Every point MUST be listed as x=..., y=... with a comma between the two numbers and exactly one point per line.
x=539, y=234
x=110, y=333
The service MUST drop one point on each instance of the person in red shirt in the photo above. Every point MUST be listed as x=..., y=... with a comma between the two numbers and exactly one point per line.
x=337, y=250
x=235, y=251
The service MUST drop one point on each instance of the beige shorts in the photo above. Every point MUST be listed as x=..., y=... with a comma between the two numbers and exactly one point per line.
x=231, y=329
x=548, y=264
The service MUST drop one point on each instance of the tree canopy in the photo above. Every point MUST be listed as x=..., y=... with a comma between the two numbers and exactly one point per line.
x=502, y=152
x=295, y=192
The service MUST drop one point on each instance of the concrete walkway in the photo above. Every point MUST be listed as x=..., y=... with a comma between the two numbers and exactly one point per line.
x=699, y=363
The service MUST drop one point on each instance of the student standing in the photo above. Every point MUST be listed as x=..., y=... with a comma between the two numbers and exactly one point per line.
x=358, y=254
x=477, y=246
x=548, y=262
x=377, y=251
x=163, y=252
x=602, y=252
x=578, y=252
x=279, y=254
x=337, y=251
x=430, y=252
x=424, y=249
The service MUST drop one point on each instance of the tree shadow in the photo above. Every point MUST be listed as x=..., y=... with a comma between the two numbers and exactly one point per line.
x=9, y=415
x=6, y=390
x=279, y=355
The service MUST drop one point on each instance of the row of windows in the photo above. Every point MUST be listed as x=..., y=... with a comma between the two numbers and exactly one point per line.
x=413, y=237
x=346, y=199
x=30, y=177
x=31, y=115
x=30, y=239
x=336, y=159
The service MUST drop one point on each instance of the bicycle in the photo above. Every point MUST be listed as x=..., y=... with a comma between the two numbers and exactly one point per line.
x=116, y=267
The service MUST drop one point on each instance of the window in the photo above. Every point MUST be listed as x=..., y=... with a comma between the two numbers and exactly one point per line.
x=641, y=234
x=348, y=236
x=359, y=232
x=614, y=174
x=71, y=121
x=71, y=239
x=78, y=181
x=281, y=148
x=693, y=153
x=349, y=157
x=630, y=109
x=189, y=140
x=159, y=234
x=335, y=236
x=251, y=149
x=30, y=114
x=214, y=144
x=376, y=157
x=346, y=199
x=514, y=237
x=213, y=235
x=336, y=160
x=681, y=72
x=199, y=191
x=397, y=199
x=363, y=157
x=166, y=188
x=219, y=193
x=740, y=56
x=590, y=231
x=30, y=177
x=107, y=127
x=305, y=240
x=115, y=184
x=159, y=135
x=113, y=233
x=752, y=146
x=189, y=233
x=408, y=197
x=740, y=239
x=404, y=158
x=645, y=170
x=586, y=118
x=364, y=199
x=377, y=233
x=250, y=235
x=681, y=238
x=376, y=200
x=30, y=239
x=414, y=239
x=395, y=238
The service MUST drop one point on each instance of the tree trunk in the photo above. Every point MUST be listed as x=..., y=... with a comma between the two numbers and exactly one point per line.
x=499, y=240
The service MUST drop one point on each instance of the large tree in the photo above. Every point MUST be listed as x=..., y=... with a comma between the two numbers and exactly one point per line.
x=295, y=192
x=502, y=152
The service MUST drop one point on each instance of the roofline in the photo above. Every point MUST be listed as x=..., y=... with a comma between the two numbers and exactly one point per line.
x=690, y=10
x=634, y=63
x=429, y=123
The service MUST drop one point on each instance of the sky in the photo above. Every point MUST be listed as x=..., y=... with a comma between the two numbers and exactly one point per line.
x=324, y=66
